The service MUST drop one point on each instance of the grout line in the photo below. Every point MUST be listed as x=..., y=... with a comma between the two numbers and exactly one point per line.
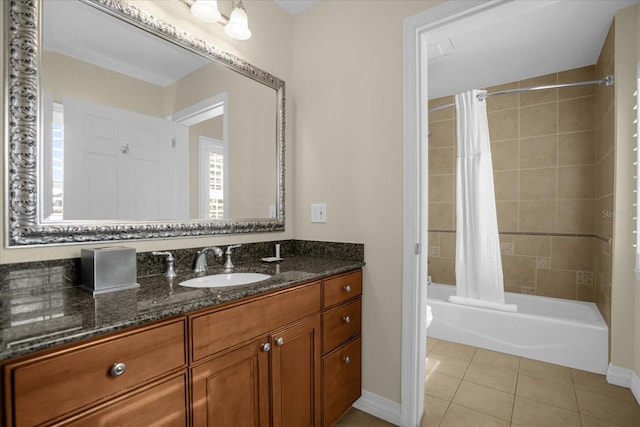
x=515, y=390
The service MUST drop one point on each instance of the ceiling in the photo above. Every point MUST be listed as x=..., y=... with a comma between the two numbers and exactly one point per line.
x=517, y=40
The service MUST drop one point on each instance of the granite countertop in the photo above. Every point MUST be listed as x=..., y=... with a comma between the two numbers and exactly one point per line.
x=41, y=309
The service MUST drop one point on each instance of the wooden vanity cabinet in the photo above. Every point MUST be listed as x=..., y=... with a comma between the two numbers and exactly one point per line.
x=341, y=344
x=102, y=379
x=273, y=379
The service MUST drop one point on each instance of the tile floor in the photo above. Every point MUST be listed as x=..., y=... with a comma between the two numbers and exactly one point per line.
x=472, y=387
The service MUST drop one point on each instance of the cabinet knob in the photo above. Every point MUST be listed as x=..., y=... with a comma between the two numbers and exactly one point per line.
x=346, y=319
x=279, y=341
x=117, y=369
x=266, y=346
x=347, y=288
x=346, y=359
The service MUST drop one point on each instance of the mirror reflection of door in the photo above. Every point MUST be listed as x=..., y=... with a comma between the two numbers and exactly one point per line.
x=123, y=165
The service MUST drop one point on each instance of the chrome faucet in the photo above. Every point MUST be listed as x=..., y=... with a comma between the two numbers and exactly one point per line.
x=201, y=258
x=228, y=265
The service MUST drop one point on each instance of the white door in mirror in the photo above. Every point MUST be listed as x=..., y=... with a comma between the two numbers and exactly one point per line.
x=221, y=280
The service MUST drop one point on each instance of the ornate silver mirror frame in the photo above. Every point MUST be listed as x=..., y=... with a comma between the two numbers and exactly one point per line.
x=22, y=132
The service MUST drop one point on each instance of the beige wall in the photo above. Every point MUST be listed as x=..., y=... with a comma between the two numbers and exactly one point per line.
x=544, y=157
x=347, y=107
x=270, y=48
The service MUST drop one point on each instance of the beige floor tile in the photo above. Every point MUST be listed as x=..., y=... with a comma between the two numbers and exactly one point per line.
x=494, y=358
x=377, y=422
x=434, y=410
x=354, y=418
x=501, y=378
x=530, y=413
x=459, y=416
x=545, y=371
x=441, y=386
x=446, y=365
x=588, y=421
x=547, y=391
x=596, y=383
x=609, y=408
x=459, y=351
x=431, y=343
x=483, y=399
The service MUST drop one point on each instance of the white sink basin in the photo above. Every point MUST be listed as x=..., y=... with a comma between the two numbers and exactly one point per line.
x=220, y=280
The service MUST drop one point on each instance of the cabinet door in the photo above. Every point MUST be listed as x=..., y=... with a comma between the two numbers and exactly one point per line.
x=232, y=389
x=295, y=374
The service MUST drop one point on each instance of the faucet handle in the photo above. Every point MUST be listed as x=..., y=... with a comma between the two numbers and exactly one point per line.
x=228, y=251
x=170, y=272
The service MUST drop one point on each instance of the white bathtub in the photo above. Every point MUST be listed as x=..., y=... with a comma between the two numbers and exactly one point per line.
x=564, y=332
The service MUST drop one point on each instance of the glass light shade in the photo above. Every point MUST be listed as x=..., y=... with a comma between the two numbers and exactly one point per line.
x=238, y=26
x=206, y=10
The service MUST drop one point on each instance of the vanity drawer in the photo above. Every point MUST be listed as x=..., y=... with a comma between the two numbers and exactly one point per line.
x=340, y=380
x=341, y=288
x=340, y=323
x=226, y=328
x=50, y=386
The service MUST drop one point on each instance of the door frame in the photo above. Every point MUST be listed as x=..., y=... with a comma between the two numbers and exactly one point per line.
x=415, y=35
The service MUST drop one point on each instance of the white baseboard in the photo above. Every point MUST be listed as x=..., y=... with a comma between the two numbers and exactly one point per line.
x=624, y=377
x=379, y=407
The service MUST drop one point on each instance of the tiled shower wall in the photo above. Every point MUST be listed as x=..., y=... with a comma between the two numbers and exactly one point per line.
x=604, y=178
x=545, y=161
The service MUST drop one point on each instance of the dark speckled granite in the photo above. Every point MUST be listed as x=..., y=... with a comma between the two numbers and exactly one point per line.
x=42, y=308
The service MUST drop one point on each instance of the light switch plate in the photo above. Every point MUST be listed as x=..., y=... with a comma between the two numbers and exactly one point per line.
x=319, y=212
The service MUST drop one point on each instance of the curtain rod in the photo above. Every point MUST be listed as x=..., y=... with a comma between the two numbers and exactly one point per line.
x=607, y=81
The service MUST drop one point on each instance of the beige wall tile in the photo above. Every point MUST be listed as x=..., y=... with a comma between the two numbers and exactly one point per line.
x=504, y=154
x=539, y=152
x=441, y=161
x=442, y=270
x=572, y=253
x=507, y=215
x=447, y=113
x=586, y=293
x=538, y=120
x=577, y=148
x=538, y=96
x=538, y=246
x=577, y=216
x=537, y=215
x=605, y=133
x=448, y=245
x=441, y=216
x=576, y=182
x=538, y=184
x=604, y=216
x=506, y=185
x=577, y=75
x=502, y=102
x=577, y=114
x=519, y=270
x=443, y=134
x=556, y=283
x=605, y=175
x=503, y=125
x=442, y=188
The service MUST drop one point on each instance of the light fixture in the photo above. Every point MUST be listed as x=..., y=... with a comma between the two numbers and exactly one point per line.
x=238, y=25
x=207, y=10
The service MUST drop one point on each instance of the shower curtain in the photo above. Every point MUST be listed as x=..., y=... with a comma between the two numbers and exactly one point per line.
x=479, y=278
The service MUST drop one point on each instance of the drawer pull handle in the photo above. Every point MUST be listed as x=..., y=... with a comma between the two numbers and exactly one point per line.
x=346, y=360
x=117, y=369
x=347, y=288
x=279, y=341
x=346, y=319
x=265, y=347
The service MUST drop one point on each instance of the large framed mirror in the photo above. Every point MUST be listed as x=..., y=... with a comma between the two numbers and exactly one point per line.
x=121, y=127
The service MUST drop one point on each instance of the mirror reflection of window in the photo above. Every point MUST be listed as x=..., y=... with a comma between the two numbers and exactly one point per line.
x=212, y=178
x=57, y=162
